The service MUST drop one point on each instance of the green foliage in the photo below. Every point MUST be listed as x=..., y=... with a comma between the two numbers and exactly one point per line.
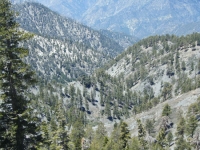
x=77, y=134
x=115, y=95
x=193, y=109
x=15, y=78
x=180, y=130
x=99, y=139
x=166, y=110
x=167, y=91
x=115, y=142
x=169, y=138
x=191, y=126
x=183, y=66
x=161, y=139
x=86, y=81
x=182, y=144
x=125, y=135
x=142, y=135
x=149, y=126
x=134, y=144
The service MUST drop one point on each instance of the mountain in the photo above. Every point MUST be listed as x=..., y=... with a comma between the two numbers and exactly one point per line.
x=138, y=84
x=70, y=8
x=142, y=18
x=62, y=61
x=124, y=40
x=62, y=49
x=158, y=67
x=148, y=97
x=137, y=18
x=154, y=71
x=187, y=28
x=39, y=19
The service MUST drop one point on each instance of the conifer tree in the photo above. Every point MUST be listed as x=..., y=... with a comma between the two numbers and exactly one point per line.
x=166, y=110
x=192, y=125
x=114, y=142
x=125, y=135
x=142, y=135
x=77, y=134
x=182, y=144
x=149, y=125
x=134, y=144
x=169, y=138
x=100, y=138
x=161, y=139
x=17, y=131
x=180, y=131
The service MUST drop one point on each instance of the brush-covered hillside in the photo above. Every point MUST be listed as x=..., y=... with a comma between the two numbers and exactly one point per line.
x=147, y=98
x=62, y=61
x=151, y=71
x=63, y=49
x=36, y=18
x=153, y=87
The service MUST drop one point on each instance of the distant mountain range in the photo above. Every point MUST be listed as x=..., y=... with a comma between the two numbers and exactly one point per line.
x=139, y=18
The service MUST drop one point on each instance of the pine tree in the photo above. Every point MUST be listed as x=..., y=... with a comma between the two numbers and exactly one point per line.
x=180, y=130
x=115, y=143
x=125, y=135
x=166, y=110
x=134, y=144
x=62, y=135
x=192, y=124
x=16, y=129
x=142, y=135
x=149, y=125
x=169, y=138
x=45, y=135
x=183, y=66
x=99, y=139
x=77, y=134
x=161, y=139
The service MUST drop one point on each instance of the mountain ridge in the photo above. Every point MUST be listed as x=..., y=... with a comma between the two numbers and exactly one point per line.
x=137, y=18
x=39, y=19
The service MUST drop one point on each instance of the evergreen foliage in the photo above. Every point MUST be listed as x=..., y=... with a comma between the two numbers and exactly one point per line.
x=166, y=110
x=66, y=106
x=125, y=135
x=149, y=126
x=18, y=127
x=142, y=135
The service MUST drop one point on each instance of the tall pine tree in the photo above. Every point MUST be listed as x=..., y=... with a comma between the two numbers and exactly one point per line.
x=16, y=129
x=125, y=135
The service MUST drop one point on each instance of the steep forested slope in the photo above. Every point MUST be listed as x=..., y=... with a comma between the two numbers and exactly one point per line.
x=149, y=81
x=39, y=19
x=156, y=82
x=152, y=71
x=63, y=49
x=61, y=60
